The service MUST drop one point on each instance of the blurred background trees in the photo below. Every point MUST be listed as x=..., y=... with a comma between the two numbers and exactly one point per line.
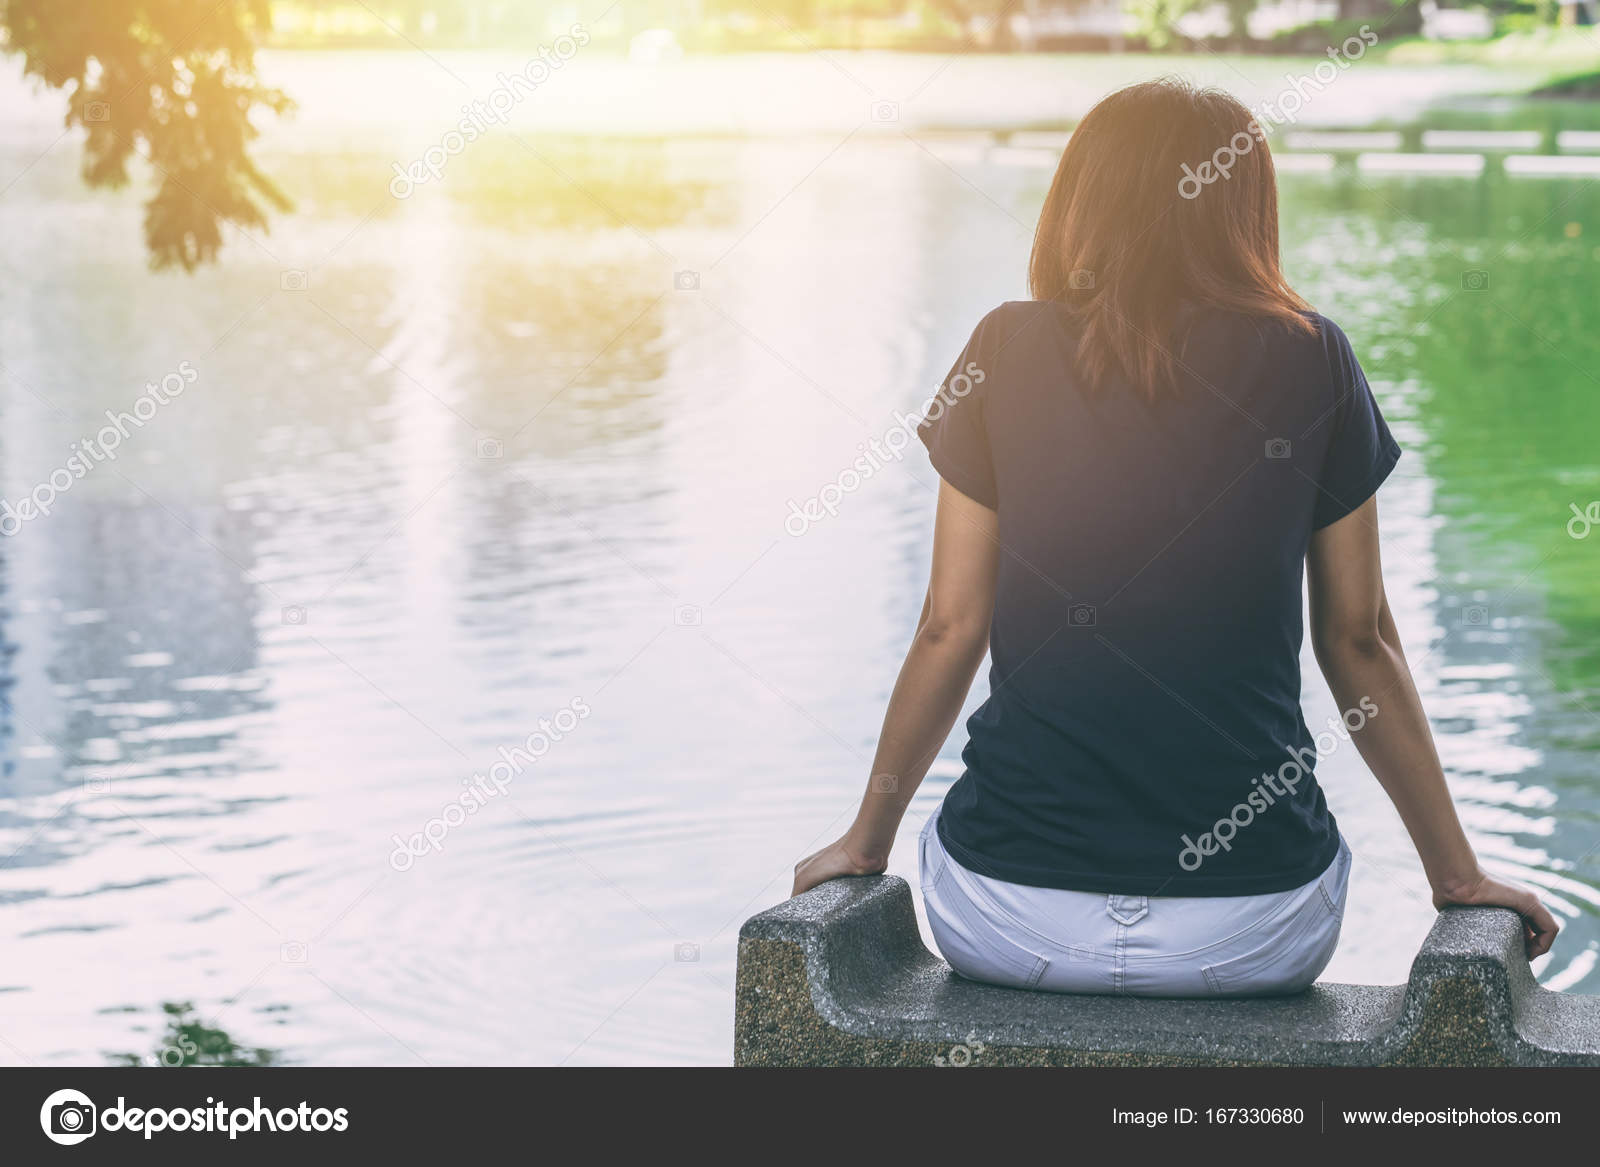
x=172, y=82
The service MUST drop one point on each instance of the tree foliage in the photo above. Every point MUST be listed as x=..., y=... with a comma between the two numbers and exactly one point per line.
x=1154, y=20
x=173, y=82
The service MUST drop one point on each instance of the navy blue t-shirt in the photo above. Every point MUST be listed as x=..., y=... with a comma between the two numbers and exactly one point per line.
x=1143, y=733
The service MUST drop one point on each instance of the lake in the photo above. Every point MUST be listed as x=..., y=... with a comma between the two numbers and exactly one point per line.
x=481, y=492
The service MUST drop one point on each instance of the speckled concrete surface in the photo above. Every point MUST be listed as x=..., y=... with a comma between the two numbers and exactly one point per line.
x=839, y=976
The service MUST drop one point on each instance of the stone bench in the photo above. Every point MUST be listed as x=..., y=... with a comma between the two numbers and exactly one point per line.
x=840, y=976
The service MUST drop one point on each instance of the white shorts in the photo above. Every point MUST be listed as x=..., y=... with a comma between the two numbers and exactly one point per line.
x=1151, y=946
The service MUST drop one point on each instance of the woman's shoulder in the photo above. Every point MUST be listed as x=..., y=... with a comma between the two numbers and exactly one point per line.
x=1333, y=337
x=1308, y=329
x=1017, y=314
x=1325, y=342
x=1015, y=319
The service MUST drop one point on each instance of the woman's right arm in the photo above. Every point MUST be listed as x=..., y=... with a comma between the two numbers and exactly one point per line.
x=1354, y=637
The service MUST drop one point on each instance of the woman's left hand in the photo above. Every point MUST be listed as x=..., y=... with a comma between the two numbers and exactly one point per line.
x=831, y=862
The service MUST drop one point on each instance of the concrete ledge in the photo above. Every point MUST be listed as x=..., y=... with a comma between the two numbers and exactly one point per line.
x=840, y=976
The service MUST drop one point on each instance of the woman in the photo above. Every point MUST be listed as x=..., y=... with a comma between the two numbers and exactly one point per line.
x=1137, y=468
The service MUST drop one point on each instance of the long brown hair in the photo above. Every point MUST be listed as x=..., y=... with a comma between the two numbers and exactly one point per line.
x=1165, y=196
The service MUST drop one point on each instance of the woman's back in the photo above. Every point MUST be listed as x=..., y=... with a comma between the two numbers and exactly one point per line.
x=1147, y=627
x=1139, y=466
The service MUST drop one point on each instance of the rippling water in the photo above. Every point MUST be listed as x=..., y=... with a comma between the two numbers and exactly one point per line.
x=498, y=458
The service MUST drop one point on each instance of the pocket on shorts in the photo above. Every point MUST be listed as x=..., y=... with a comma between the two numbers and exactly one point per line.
x=977, y=945
x=1287, y=956
x=1334, y=883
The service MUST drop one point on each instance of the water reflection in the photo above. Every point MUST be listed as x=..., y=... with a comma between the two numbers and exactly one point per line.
x=1498, y=370
x=188, y=1041
x=8, y=652
x=493, y=456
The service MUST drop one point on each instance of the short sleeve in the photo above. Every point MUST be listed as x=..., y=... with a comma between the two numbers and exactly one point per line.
x=953, y=427
x=1361, y=450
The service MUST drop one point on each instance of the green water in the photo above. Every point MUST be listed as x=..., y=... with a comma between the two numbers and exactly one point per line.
x=201, y=790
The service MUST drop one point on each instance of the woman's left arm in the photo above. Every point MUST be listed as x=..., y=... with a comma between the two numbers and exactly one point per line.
x=952, y=637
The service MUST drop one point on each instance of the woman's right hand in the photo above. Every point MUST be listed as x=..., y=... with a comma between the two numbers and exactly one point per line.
x=834, y=860
x=1539, y=927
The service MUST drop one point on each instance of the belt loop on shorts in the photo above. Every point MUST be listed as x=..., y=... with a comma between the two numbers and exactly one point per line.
x=1127, y=910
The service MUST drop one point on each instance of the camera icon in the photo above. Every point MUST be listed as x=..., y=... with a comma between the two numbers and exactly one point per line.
x=295, y=614
x=885, y=783
x=686, y=616
x=97, y=784
x=293, y=280
x=1081, y=280
x=490, y=448
x=1475, y=281
x=70, y=1120
x=886, y=111
x=1278, y=449
x=1081, y=616
x=686, y=281
x=293, y=952
x=1475, y=616
x=96, y=111
x=686, y=953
